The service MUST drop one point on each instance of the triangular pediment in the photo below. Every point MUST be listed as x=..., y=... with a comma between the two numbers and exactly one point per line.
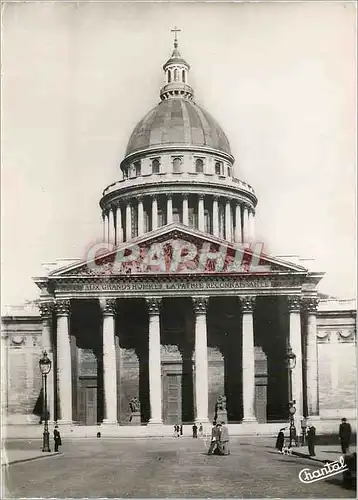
x=177, y=249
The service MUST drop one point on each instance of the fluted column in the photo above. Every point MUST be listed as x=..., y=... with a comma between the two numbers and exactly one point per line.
x=119, y=229
x=251, y=225
x=245, y=231
x=310, y=307
x=46, y=309
x=248, y=358
x=228, y=220
x=296, y=346
x=140, y=217
x=169, y=209
x=109, y=361
x=215, y=216
x=185, y=210
x=64, y=371
x=111, y=226
x=201, y=220
x=154, y=213
x=155, y=378
x=238, y=225
x=128, y=222
x=201, y=360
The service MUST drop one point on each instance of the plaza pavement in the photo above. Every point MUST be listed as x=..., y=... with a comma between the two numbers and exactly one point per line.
x=167, y=467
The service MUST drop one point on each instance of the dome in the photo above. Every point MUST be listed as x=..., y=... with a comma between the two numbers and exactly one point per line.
x=179, y=122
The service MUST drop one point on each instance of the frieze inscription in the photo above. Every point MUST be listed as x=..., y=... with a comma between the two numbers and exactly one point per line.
x=184, y=284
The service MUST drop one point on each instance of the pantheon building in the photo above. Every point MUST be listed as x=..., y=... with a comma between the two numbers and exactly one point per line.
x=178, y=305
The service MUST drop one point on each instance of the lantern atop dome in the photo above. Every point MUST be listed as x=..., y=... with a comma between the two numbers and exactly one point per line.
x=176, y=71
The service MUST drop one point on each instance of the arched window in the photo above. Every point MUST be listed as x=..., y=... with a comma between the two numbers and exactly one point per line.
x=218, y=168
x=125, y=173
x=169, y=76
x=176, y=75
x=199, y=166
x=183, y=75
x=177, y=163
x=137, y=167
x=229, y=171
x=155, y=166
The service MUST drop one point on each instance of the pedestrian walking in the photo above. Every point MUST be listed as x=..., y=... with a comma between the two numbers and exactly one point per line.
x=215, y=438
x=195, y=431
x=304, y=430
x=57, y=437
x=181, y=430
x=224, y=440
x=280, y=440
x=201, y=430
x=345, y=432
x=311, y=440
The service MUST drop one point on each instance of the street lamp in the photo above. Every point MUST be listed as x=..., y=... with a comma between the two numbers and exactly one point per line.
x=290, y=361
x=45, y=368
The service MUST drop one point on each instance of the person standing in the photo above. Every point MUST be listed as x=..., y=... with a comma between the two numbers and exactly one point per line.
x=201, y=430
x=304, y=430
x=224, y=440
x=215, y=438
x=311, y=440
x=195, y=431
x=181, y=429
x=280, y=440
x=345, y=432
x=57, y=437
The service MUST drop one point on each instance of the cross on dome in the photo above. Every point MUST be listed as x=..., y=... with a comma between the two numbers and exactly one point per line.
x=175, y=30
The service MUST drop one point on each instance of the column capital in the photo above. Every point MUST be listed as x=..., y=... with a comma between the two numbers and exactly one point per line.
x=247, y=303
x=140, y=199
x=46, y=309
x=153, y=305
x=63, y=307
x=200, y=304
x=169, y=196
x=185, y=196
x=153, y=197
x=310, y=304
x=294, y=303
x=215, y=197
x=108, y=307
x=201, y=196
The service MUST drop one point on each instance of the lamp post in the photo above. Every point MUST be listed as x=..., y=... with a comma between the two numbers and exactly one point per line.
x=290, y=361
x=45, y=368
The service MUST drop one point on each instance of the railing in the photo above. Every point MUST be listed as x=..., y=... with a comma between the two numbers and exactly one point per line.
x=142, y=180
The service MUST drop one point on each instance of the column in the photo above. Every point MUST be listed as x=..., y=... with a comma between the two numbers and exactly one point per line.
x=310, y=306
x=201, y=220
x=201, y=360
x=228, y=221
x=169, y=209
x=119, y=229
x=64, y=371
x=105, y=227
x=4, y=376
x=248, y=358
x=140, y=217
x=111, y=226
x=108, y=307
x=128, y=222
x=185, y=210
x=238, y=225
x=245, y=216
x=215, y=216
x=46, y=309
x=154, y=213
x=155, y=376
x=296, y=346
x=251, y=225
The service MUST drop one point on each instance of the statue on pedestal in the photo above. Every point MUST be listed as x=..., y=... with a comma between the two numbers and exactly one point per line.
x=220, y=410
x=134, y=405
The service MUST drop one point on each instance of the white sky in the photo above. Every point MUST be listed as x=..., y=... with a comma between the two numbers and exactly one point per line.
x=279, y=78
